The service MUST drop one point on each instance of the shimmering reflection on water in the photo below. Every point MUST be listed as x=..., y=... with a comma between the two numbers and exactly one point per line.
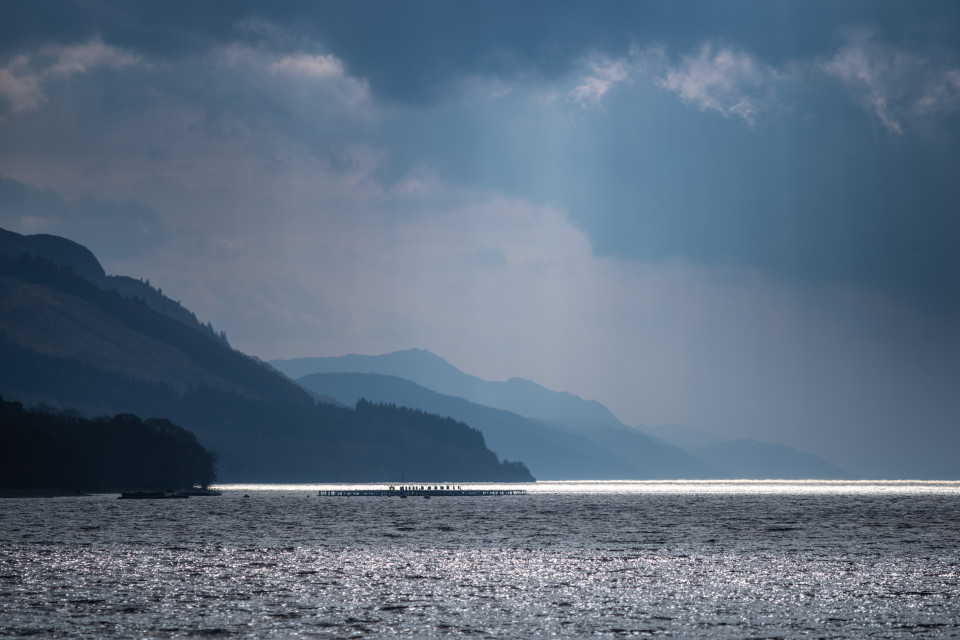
x=689, y=560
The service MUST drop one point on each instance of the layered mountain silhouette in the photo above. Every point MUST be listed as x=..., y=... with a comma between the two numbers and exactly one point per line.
x=551, y=452
x=746, y=458
x=516, y=395
x=764, y=460
x=689, y=438
x=70, y=339
x=73, y=337
x=559, y=435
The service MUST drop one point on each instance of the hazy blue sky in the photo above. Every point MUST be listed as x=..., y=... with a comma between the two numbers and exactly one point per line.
x=742, y=216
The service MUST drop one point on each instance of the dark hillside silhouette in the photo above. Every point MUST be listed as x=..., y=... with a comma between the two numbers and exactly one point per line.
x=67, y=253
x=57, y=250
x=216, y=358
x=47, y=449
x=268, y=441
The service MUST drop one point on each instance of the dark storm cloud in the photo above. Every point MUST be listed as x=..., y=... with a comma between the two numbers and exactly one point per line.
x=411, y=51
x=821, y=192
x=811, y=202
x=812, y=198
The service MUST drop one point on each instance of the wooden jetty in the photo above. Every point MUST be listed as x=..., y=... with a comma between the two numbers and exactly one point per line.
x=426, y=491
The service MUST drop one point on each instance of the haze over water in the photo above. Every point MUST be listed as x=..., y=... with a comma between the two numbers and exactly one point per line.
x=727, y=559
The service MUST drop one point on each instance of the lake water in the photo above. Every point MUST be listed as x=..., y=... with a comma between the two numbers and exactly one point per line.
x=656, y=559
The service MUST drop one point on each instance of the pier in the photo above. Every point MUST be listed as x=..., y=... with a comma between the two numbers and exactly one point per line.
x=426, y=491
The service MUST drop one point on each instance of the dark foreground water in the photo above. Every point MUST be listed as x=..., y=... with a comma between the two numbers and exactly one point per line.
x=686, y=560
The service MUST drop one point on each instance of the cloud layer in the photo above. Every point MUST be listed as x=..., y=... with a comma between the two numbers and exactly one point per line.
x=23, y=76
x=895, y=85
x=729, y=82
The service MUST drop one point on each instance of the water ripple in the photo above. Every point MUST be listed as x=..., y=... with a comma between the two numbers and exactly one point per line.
x=662, y=562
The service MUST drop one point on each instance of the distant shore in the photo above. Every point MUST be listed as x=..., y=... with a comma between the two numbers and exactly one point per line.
x=39, y=493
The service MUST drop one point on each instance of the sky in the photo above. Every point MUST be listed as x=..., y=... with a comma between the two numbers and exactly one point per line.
x=740, y=216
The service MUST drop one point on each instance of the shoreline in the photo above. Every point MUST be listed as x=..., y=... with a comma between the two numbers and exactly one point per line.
x=40, y=493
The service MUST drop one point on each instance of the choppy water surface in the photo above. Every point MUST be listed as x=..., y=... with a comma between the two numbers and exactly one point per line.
x=688, y=560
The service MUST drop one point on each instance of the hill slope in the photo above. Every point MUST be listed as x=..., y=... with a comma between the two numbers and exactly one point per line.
x=50, y=310
x=67, y=253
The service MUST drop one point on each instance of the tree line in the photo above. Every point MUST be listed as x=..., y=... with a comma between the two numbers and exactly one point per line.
x=58, y=450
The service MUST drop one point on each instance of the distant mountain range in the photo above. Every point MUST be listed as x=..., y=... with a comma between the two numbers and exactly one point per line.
x=559, y=435
x=71, y=339
x=752, y=459
x=516, y=395
x=550, y=451
x=688, y=438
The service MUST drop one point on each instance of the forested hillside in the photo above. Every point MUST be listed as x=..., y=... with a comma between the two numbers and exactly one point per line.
x=68, y=343
x=61, y=451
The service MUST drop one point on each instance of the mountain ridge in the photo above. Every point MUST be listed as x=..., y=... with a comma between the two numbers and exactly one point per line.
x=65, y=252
x=594, y=439
x=517, y=395
x=551, y=453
